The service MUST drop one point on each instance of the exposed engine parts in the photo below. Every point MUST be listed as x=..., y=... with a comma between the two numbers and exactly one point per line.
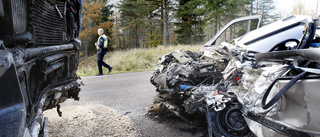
x=243, y=89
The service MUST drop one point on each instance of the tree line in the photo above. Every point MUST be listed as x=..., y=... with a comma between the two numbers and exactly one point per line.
x=149, y=23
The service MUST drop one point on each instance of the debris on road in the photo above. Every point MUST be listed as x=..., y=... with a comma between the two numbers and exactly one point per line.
x=90, y=120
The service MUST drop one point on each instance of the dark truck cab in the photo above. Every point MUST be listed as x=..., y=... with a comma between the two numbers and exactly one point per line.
x=39, y=56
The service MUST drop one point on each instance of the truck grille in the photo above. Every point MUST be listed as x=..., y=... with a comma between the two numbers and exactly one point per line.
x=47, y=22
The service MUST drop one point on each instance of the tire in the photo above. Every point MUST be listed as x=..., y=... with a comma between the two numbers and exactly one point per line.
x=228, y=122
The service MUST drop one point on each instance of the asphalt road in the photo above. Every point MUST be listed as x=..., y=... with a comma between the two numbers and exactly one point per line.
x=131, y=94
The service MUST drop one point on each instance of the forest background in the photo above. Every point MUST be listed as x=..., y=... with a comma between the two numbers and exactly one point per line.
x=145, y=25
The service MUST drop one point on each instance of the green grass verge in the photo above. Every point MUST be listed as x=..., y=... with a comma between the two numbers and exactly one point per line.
x=133, y=60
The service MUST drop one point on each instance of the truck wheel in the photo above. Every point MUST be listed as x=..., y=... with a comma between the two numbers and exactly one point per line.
x=228, y=122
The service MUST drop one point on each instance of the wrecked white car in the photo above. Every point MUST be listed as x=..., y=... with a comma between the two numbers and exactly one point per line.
x=263, y=83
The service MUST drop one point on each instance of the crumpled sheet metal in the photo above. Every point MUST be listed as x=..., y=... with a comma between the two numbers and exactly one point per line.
x=218, y=101
x=312, y=98
x=254, y=82
x=250, y=91
x=182, y=57
x=215, y=54
x=170, y=72
x=195, y=102
x=220, y=55
x=179, y=55
x=300, y=105
x=234, y=53
x=252, y=85
x=6, y=60
x=298, y=108
x=179, y=72
x=210, y=95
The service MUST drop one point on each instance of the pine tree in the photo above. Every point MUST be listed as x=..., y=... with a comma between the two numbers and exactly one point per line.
x=139, y=17
x=266, y=8
x=190, y=22
x=220, y=12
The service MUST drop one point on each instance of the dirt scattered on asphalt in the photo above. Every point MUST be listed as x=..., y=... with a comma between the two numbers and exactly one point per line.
x=90, y=120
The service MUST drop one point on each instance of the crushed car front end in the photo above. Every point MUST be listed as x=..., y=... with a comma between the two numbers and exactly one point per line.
x=262, y=83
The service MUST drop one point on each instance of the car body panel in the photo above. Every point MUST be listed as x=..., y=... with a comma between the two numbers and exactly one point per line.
x=264, y=38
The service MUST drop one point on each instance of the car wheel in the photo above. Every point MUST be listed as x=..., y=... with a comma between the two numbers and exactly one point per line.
x=228, y=122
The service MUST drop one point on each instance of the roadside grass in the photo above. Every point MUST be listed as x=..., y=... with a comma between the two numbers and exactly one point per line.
x=134, y=60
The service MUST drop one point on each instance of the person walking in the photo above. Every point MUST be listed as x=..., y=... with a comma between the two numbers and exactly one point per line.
x=101, y=45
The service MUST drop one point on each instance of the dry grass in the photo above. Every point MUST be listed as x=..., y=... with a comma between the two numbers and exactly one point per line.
x=133, y=60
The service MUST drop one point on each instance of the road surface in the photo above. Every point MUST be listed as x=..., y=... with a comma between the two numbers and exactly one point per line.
x=130, y=94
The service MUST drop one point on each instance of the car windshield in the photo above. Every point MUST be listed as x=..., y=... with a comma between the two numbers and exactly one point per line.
x=234, y=29
x=237, y=30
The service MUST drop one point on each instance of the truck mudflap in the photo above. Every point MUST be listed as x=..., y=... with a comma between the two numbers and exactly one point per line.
x=12, y=108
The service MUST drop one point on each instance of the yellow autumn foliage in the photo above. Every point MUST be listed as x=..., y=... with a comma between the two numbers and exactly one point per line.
x=91, y=19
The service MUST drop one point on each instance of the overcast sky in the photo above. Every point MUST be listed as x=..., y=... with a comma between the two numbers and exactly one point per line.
x=284, y=7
